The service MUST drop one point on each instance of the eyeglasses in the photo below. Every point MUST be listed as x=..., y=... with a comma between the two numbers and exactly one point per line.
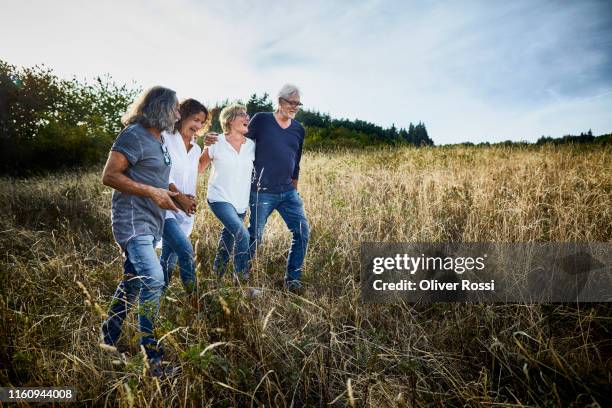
x=242, y=115
x=165, y=152
x=292, y=103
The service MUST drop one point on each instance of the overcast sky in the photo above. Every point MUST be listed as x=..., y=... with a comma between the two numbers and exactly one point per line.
x=472, y=71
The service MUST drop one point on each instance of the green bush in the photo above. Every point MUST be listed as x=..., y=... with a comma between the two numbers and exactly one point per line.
x=48, y=123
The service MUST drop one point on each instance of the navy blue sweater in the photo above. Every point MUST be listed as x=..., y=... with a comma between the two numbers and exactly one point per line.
x=277, y=153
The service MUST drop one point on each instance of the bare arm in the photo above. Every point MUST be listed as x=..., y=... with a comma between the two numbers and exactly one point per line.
x=113, y=176
x=185, y=202
x=295, y=183
x=204, y=161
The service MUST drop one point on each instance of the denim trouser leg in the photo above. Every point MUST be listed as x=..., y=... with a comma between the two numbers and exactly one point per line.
x=234, y=238
x=290, y=207
x=141, y=253
x=261, y=206
x=177, y=246
x=291, y=210
x=224, y=248
x=141, y=263
x=123, y=299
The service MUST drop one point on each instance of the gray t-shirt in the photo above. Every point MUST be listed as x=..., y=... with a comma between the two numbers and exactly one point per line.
x=134, y=215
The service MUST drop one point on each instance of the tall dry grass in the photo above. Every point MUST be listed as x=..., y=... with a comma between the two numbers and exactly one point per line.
x=60, y=266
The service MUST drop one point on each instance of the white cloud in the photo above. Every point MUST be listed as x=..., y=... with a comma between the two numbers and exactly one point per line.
x=470, y=71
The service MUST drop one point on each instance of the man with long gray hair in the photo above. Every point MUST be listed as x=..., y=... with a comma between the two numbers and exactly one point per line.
x=138, y=169
x=279, y=139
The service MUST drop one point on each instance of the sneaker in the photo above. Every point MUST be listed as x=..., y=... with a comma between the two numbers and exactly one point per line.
x=295, y=287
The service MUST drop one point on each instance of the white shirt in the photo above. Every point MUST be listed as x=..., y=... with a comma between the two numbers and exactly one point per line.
x=230, y=179
x=183, y=173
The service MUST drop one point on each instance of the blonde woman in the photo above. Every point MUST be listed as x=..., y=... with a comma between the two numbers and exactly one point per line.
x=229, y=187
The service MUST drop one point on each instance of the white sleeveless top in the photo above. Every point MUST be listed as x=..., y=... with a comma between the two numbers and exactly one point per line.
x=230, y=179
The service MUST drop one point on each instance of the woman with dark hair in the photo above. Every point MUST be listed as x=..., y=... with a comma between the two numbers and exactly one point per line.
x=185, y=154
x=138, y=168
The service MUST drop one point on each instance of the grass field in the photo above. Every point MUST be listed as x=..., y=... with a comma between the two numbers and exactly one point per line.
x=59, y=268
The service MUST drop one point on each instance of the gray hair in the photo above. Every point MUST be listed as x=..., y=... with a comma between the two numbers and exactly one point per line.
x=288, y=90
x=154, y=108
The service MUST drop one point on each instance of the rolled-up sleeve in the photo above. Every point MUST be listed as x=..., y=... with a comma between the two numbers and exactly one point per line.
x=128, y=145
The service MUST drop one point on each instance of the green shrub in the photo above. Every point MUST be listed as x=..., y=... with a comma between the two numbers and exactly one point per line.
x=48, y=123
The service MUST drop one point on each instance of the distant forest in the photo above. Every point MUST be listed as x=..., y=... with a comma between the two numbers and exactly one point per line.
x=582, y=138
x=324, y=131
x=48, y=123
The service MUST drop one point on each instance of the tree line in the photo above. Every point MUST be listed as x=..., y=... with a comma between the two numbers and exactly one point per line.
x=48, y=123
x=324, y=131
x=583, y=138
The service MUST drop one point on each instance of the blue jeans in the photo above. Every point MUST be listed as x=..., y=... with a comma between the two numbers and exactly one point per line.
x=234, y=238
x=142, y=274
x=290, y=207
x=177, y=246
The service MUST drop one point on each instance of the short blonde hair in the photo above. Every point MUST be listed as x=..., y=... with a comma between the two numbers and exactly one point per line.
x=228, y=114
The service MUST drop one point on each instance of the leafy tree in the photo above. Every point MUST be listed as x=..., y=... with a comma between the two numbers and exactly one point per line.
x=49, y=123
x=259, y=104
x=392, y=134
x=313, y=118
x=411, y=134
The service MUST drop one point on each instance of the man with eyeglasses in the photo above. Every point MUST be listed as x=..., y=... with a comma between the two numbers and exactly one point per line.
x=279, y=139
